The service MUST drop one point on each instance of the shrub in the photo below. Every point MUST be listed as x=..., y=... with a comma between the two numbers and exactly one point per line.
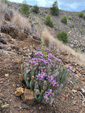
x=44, y=74
x=70, y=17
x=54, y=9
x=25, y=9
x=48, y=21
x=72, y=25
x=64, y=20
x=62, y=36
x=80, y=14
x=35, y=9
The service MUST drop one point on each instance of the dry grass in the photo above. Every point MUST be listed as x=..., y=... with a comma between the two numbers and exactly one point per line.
x=78, y=58
x=21, y=21
x=17, y=19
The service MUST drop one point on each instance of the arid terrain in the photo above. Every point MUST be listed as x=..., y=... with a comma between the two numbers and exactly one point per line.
x=19, y=37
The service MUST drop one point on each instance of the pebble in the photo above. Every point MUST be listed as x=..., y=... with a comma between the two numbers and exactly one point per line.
x=74, y=102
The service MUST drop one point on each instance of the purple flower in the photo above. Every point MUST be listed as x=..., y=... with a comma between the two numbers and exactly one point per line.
x=68, y=67
x=50, y=78
x=49, y=92
x=27, y=71
x=56, y=84
x=39, y=53
x=59, y=60
x=53, y=82
x=39, y=77
x=46, y=97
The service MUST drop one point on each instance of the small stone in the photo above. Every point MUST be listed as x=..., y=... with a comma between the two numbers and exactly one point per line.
x=74, y=102
x=28, y=95
x=14, y=85
x=19, y=91
x=82, y=89
x=40, y=108
x=21, y=77
x=6, y=75
x=9, y=49
x=77, y=88
x=24, y=106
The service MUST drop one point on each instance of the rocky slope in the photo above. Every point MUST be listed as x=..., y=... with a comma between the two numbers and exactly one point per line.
x=76, y=38
x=17, y=45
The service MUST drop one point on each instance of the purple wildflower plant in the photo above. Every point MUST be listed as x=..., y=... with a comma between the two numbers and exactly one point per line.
x=42, y=66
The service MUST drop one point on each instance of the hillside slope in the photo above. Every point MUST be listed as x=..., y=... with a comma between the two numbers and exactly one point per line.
x=18, y=41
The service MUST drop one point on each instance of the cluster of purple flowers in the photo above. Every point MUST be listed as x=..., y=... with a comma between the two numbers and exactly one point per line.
x=36, y=61
x=50, y=55
x=52, y=81
x=41, y=76
x=39, y=53
x=48, y=94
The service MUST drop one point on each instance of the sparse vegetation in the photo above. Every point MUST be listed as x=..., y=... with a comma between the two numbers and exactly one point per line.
x=54, y=9
x=25, y=9
x=35, y=9
x=80, y=14
x=48, y=21
x=70, y=17
x=80, y=31
x=78, y=51
x=64, y=20
x=62, y=36
x=72, y=25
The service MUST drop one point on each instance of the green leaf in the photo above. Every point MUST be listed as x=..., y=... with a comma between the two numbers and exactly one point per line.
x=32, y=85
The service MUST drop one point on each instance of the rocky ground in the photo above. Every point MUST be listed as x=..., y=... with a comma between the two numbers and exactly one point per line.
x=16, y=50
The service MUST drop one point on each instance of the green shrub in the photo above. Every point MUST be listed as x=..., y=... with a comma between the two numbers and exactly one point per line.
x=72, y=25
x=80, y=14
x=70, y=17
x=35, y=9
x=48, y=21
x=54, y=9
x=62, y=36
x=64, y=20
x=25, y=9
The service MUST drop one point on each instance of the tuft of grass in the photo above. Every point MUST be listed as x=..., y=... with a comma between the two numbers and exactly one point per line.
x=21, y=21
x=78, y=51
x=72, y=25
